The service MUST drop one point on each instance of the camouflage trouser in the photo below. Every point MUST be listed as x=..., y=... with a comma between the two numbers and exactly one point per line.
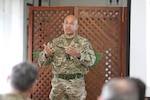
x=73, y=89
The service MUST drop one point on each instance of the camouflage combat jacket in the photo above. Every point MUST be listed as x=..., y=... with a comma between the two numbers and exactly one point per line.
x=64, y=63
x=13, y=97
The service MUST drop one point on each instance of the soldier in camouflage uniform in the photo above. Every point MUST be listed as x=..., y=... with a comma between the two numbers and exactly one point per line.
x=70, y=55
x=20, y=81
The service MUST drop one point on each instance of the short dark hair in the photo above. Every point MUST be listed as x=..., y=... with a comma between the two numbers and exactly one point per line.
x=23, y=76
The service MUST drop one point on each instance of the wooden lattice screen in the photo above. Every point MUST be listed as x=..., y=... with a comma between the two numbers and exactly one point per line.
x=103, y=26
x=45, y=23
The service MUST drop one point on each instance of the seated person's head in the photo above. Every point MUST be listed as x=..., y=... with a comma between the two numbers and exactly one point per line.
x=119, y=89
x=141, y=87
x=23, y=75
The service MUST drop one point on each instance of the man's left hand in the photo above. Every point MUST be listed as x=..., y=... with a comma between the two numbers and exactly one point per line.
x=73, y=51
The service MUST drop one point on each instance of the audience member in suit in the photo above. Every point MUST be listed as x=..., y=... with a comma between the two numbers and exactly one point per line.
x=20, y=81
x=119, y=89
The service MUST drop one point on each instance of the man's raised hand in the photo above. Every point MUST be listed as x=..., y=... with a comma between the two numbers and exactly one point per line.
x=48, y=50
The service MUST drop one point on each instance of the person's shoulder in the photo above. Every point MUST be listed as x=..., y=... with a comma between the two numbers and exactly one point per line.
x=12, y=97
x=83, y=39
x=58, y=38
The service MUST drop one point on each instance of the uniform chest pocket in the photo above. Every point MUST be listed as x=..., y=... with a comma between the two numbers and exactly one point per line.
x=59, y=58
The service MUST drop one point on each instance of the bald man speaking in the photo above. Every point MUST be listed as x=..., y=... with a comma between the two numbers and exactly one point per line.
x=71, y=55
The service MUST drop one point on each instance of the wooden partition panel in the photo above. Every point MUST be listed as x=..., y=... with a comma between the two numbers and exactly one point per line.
x=45, y=23
x=104, y=27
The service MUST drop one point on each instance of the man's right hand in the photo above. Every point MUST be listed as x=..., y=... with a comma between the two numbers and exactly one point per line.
x=48, y=50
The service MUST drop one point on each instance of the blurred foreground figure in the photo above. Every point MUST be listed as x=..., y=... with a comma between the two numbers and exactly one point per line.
x=119, y=89
x=141, y=87
x=20, y=81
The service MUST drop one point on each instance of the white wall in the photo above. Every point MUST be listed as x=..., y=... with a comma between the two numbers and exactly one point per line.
x=79, y=2
x=86, y=3
x=54, y=2
x=138, y=40
x=148, y=40
x=82, y=2
x=148, y=46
